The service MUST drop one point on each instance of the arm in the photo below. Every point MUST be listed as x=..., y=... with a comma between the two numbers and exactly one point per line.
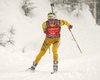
x=63, y=22
x=44, y=26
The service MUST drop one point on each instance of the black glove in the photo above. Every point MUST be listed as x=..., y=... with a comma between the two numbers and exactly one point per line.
x=44, y=32
x=70, y=27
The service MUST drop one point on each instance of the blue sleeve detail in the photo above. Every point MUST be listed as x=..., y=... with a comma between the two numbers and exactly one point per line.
x=47, y=23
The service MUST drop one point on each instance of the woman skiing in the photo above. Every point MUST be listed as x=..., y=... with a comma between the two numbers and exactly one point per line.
x=51, y=28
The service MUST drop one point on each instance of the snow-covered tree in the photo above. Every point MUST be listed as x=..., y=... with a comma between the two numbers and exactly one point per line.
x=28, y=8
x=98, y=12
x=7, y=37
x=69, y=5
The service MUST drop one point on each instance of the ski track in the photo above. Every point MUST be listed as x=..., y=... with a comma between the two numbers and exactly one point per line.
x=69, y=69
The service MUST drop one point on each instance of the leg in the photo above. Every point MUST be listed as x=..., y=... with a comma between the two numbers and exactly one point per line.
x=55, y=55
x=43, y=50
x=54, y=50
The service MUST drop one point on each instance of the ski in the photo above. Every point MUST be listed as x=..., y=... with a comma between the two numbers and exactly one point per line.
x=29, y=69
x=53, y=72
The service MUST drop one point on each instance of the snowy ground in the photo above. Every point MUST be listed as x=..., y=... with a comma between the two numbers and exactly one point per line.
x=72, y=64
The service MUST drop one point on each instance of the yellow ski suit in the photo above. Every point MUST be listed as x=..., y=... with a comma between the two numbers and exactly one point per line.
x=48, y=41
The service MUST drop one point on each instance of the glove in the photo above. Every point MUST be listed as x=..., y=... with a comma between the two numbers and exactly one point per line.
x=45, y=32
x=70, y=27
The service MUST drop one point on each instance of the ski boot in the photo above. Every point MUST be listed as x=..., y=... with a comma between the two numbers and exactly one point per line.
x=33, y=66
x=55, y=66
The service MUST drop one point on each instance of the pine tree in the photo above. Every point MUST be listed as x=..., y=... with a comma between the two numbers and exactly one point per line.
x=98, y=12
x=70, y=5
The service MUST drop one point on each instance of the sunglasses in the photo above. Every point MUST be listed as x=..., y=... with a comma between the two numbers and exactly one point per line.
x=50, y=19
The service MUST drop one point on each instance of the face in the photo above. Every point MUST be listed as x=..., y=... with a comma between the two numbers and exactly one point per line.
x=51, y=21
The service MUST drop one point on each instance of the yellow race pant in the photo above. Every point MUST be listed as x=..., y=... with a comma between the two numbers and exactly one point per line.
x=46, y=44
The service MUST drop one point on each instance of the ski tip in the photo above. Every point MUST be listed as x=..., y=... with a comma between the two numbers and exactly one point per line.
x=52, y=72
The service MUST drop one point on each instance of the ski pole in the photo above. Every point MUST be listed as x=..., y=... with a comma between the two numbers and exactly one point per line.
x=75, y=41
x=49, y=50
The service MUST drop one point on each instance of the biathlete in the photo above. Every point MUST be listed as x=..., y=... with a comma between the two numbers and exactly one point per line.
x=52, y=29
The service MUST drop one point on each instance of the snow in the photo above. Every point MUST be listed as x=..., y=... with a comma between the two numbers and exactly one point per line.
x=29, y=36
